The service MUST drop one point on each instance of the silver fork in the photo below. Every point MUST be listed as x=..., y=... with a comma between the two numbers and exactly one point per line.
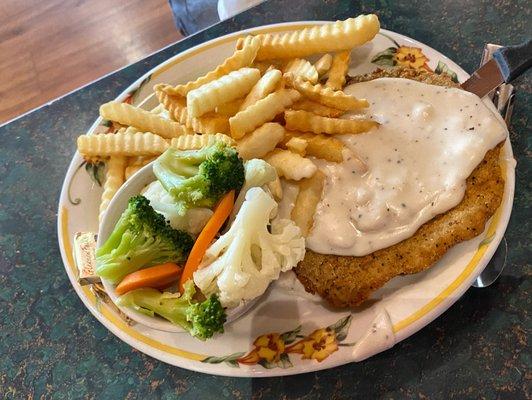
x=503, y=98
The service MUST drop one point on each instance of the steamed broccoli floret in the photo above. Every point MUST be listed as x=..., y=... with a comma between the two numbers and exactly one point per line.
x=198, y=178
x=200, y=319
x=141, y=238
x=207, y=317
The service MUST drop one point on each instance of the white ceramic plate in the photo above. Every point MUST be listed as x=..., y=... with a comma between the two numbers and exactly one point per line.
x=280, y=335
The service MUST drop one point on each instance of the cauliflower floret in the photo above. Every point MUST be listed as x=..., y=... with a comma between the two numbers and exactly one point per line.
x=257, y=172
x=241, y=263
x=192, y=221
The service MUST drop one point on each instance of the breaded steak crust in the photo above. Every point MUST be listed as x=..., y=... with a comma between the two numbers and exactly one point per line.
x=346, y=281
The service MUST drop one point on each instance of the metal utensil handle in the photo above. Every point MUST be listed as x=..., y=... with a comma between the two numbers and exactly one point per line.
x=514, y=60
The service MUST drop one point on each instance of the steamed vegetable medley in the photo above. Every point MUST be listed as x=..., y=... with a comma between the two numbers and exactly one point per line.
x=202, y=238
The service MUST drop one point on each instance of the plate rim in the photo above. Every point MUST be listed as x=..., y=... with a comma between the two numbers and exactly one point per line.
x=189, y=360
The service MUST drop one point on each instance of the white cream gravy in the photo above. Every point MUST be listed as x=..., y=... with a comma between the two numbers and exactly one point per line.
x=429, y=141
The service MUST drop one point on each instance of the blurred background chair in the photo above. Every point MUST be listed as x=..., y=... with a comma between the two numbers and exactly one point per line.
x=194, y=15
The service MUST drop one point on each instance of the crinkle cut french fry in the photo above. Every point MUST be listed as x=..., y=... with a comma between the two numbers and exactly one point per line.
x=172, y=103
x=194, y=142
x=307, y=200
x=143, y=120
x=319, y=146
x=229, y=87
x=261, y=141
x=297, y=145
x=325, y=147
x=114, y=178
x=136, y=163
x=339, y=68
x=340, y=35
x=242, y=57
x=229, y=109
x=323, y=64
x=261, y=112
x=139, y=161
x=179, y=113
x=266, y=84
x=316, y=108
x=325, y=95
x=121, y=144
x=308, y=122
x=208, y=124
x=131, y=170
x=290, y=165
x=290, y=134
x=303, y=68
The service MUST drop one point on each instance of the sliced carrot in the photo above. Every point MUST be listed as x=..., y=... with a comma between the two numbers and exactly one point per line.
x=158, y=276
x=221, y=213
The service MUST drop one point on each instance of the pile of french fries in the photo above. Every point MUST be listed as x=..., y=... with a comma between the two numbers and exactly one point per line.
x=266, y=99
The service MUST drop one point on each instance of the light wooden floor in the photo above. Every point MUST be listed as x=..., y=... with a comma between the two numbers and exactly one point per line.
x=50, y=47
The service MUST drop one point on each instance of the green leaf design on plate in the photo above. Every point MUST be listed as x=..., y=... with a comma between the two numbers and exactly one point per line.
x=389, y=38
x=77, y=200
x=231, y=360
x=96, y=171
x=285, y=361
x=442, y=68
x=341, y=327
x=486, y=240
x=232, y=363
x=290, y=336
x=385, y=57
x=107, y=123
x=268, y=364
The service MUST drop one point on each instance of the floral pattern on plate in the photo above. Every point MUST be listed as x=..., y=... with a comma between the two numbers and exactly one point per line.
x=410, y=57
x=272, y=350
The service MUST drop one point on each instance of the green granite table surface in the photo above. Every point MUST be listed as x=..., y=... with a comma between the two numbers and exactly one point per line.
x=52, y=347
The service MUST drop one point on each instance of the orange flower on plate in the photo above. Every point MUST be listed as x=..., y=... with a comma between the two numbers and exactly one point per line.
x=411, y=57
x=319, y=345
x=268, y=347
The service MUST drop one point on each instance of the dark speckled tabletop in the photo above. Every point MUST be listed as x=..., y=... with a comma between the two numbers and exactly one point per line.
x=52, y=347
